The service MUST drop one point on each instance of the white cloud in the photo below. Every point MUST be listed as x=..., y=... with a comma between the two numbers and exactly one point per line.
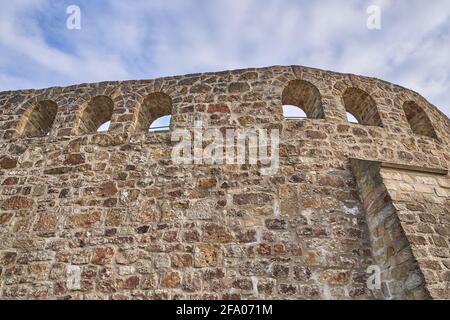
x=20, y=36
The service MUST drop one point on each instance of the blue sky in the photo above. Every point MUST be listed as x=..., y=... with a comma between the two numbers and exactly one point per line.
x=139, y=39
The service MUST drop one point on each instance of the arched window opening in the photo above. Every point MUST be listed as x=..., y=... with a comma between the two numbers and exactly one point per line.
x=38, y=120
x=293, y=113
x=155, y=113
x=362, y=106
x=161, y=124
x=96, y=115
x=104, y=127
x=418, y=120
x=351, y=118
x=304, y=95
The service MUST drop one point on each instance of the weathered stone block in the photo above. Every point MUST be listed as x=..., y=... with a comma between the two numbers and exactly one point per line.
x=84, y=220
x=17, y=203
x=103, y=256
x=206, y=255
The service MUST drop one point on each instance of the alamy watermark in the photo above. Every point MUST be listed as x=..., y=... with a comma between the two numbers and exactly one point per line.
x=373, y=22
x=214, y=146
x=374, y=19
x=73, y=22
x=374, y=280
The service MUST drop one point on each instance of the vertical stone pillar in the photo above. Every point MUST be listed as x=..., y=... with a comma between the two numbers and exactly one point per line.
x=407, y=212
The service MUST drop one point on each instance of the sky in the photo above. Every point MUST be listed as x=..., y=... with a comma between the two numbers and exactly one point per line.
x=137, y=39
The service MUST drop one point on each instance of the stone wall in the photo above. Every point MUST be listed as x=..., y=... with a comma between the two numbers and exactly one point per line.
x=86, y=215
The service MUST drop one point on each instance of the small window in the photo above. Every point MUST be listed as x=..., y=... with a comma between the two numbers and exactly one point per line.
x=96, y=115
x=362, y=107
x=37, y=121
x=418, y=120
x=351, y=118
x=155, y=113
x=160, y=124
x=293, y=113
x=104, y=127
x=305, y=96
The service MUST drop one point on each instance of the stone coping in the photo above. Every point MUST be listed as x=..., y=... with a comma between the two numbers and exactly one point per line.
x=407, y=167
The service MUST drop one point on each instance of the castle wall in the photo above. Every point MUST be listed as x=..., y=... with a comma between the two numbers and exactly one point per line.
x=87, y=215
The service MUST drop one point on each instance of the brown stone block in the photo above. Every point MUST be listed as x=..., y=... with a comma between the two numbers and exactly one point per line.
x=238, y=87
x=181, y=260
x=287, y=289
x=191, y=282
x=38, y=272
x=280, y=271
x=440, y=241
x=246, y=121
x=312, y=258
x=74, y=159
x=247, y=236
x=171, y=280
x=216, y=233
x=46, y=222
x=107, y=189
x=131, y=283
x=266, y=286
x=102, y=140
x=200, y=88
x=7, y=163
x=58, y=171
x=103, y=256
x=255, y=268
x=5, y=218
x=207, y=255
x=417, y=240
x=328, y=180
x=207, y=183
x=264, y=250
x=255, y=199
x=316, y=135
x=276, y=224
x=7, y=258
x=218, y=108
x=150, y=281
x=17, y=203
x=302, y=274
x=213, y=274
x=147, y=216
x=335, y=277
x=170, y=236
x=242, y=284
x=10, y=181
x=84, y=220
x=114, y=218
x=152, y=192
x=191, y=236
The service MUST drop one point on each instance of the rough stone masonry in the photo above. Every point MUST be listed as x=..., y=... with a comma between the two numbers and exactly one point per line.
x=88, y=215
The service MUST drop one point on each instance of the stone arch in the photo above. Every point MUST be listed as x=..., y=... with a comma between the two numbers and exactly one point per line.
x=38, y=119
x=362, y=106
x=98, y=111
x=418, y=120
x=154, y=106
x=304, y=95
